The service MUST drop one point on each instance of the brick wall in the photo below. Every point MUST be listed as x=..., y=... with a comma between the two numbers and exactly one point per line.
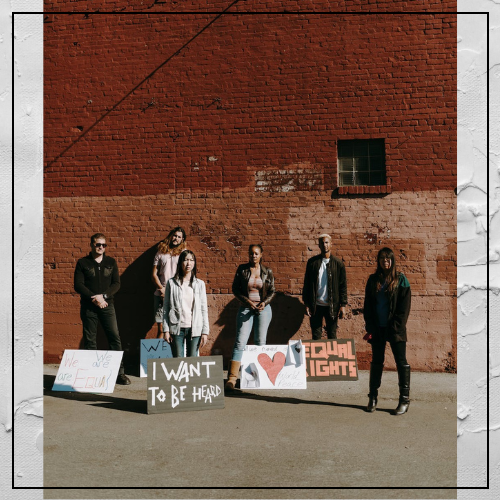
x=234, y=138
x=251, y=5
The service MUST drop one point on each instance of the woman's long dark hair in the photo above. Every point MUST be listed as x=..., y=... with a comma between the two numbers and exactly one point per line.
x=179, y=273
x=392, y=278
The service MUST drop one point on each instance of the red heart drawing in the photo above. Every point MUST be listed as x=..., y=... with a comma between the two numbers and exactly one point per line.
x=273, y=367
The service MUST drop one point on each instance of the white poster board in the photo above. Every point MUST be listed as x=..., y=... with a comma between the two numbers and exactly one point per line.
x=274, y=367
x=88, y=371
x=153, y=349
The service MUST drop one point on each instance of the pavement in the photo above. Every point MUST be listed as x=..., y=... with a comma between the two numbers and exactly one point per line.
x=312, y=443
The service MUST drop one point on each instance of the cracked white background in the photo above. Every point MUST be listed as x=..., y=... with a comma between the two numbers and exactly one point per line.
x=473, y=365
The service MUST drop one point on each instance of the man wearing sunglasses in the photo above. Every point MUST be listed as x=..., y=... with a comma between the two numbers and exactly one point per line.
x=97, y=280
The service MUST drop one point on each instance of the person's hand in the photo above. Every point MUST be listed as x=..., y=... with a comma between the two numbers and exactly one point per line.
x=342, y=312
x=260, y=306
x=308, y=312
x=203, y=341
x=99, y=301
x=168, y=337
x=162, y=291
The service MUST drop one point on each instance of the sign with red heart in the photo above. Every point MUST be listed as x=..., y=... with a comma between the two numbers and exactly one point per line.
x=274, y=367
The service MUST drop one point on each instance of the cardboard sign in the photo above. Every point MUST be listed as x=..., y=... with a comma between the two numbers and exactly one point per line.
x=88, y=371
x=274, y=367
x=185, y=384
x=331, y=359
x=153, y=349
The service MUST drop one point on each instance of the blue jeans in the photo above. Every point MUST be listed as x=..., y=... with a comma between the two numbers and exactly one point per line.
x=245, y=320
x=192, y=344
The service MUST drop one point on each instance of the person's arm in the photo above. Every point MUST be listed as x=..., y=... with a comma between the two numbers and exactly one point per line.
x=370, y=322
x=237, y=291
x=154, y=277
x=79, y=282
x=156, y=280
x=271, y=291
x=115, y=282
x=166, y=311
x=342, y=290
x=204, y=315
x=306, y=289
x=403, y=306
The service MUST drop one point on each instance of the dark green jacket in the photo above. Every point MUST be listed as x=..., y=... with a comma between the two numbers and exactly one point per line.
x=399, y=309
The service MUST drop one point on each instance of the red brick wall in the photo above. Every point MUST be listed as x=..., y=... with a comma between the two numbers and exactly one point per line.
x=251, y=5
x=234, y=138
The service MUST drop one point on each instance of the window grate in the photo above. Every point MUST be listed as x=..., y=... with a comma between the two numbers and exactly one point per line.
x=361, y=162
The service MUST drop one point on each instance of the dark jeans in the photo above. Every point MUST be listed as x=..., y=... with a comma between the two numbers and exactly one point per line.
x=398, y=350
x=90, y=316
x=316, y=321
x=192, y=344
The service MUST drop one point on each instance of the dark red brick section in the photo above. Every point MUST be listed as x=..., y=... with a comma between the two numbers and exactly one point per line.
x=251, y=5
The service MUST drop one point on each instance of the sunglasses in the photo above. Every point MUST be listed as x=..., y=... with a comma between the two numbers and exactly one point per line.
x=103, y=245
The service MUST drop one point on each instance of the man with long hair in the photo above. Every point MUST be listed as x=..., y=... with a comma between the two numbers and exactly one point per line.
x=164, y=268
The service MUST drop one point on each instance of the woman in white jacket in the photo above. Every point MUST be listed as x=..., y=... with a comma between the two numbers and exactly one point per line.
x=185, y=312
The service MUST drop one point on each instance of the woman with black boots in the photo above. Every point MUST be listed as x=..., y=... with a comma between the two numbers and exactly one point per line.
x=386, y=310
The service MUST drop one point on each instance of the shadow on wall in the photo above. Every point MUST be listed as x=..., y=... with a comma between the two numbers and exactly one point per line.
x=288, y=314
x=134, y=307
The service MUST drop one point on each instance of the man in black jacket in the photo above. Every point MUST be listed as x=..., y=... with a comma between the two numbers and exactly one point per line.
x=325, y=290
x=97, y=280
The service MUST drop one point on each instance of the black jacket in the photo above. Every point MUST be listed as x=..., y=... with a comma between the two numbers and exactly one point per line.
x=337, y=284
x=399, y=309
x=92, y=278
x=241, y=279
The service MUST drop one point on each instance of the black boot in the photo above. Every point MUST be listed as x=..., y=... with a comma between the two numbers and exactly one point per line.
x=404, y=390
x=375, y=379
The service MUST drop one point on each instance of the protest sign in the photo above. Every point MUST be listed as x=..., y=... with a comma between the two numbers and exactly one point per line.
x=153, y=349
x=274, y=367
x=88, y=371
x=332, y=359
x=185, y=384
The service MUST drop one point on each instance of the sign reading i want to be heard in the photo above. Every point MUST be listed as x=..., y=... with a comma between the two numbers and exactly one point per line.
x=332, y=359
x=185, y=384
x=88, y=371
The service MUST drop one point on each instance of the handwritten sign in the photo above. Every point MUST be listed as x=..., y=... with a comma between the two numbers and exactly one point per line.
x=274, y=367
x=88, y=371
x=153, y=349
x=185, y=384
x=333, y=359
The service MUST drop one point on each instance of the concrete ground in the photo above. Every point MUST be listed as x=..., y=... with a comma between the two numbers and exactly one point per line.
x=314, y=443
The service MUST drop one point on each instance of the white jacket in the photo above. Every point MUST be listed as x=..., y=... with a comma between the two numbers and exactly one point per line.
x=172, y=306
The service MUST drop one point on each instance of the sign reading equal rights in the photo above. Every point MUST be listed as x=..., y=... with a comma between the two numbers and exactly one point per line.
x=332, y=359
x=185, y=384
x=153, y=349
x=274, y=367
x=88, y=371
